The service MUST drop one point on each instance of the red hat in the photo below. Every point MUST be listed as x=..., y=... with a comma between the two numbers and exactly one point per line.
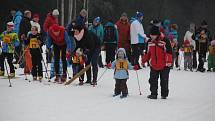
x=55, y=28
x=36, y=15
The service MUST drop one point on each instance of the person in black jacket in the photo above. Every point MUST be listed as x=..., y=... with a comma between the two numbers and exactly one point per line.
x=25, y=25
x=90, y=44
x=203, y=39
x=24, y=28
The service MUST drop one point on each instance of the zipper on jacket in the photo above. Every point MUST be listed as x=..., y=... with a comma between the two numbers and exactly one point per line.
x=155, y=53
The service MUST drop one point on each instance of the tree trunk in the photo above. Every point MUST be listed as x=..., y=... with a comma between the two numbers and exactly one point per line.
x=62, y=12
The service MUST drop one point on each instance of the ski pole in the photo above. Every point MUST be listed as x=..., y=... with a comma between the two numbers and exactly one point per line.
x=8, y=74
x=102, y=74
x=20, y=58
x=138, y=82
x=46, y=66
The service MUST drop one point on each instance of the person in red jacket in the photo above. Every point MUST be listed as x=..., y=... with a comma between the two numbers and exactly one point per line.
x=123, y=27
x=51, y=19
x=159, y=55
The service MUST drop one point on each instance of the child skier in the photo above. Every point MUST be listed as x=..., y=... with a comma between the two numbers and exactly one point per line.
x=78, y=64
x=188, y=49
x=9, y=41
x=121, y=66
x=159, y=55
x=211, y=56
x=34, y=43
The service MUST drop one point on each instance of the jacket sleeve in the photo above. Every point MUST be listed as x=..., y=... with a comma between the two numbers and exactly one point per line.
x=147, y=55
x=46, y=25
x=49, y=42
x=113, y=64
x=168, y=52
x=17, y=23
x=102, y=34
x=140, y=30
x=16, y=40
x=69, y=42
x=117, y=35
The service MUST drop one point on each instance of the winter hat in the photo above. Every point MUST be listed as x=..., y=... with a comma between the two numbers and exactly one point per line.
x=166, y=22
x=204, y=23
x=155, y=30
x=26, y=12
x=36, y=15
x=139, y=14
x=155, y=22
x=213, y=42
x=78, y=27
x=124, y=14
x=186, y=42
x=174, y=26
x=123, y=50
x=97, y=19
x=55, y=12
x=10, y=24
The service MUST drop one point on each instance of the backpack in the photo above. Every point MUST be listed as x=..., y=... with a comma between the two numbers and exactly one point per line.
x=110, y=34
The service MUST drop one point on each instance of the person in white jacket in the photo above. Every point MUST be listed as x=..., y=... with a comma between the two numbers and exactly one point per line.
x=138, y=38
x=189, y=36
x=35, y=22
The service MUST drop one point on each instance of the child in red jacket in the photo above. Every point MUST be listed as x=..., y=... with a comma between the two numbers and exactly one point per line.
x=159, y=55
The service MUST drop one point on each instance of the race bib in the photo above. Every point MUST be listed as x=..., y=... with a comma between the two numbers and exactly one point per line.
x=34, y=43
x=7, y=39
x=121, y=65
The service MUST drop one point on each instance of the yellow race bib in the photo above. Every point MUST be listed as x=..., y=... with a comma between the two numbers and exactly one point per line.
x=34, y=43
x=121, y=65
x=7, y=38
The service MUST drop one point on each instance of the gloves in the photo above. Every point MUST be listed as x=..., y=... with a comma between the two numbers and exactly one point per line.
x=135, y=67
x=168, y=60
x=109, y=65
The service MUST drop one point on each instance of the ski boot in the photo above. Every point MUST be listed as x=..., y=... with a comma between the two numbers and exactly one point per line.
x=115, y=95
x=40, y=78
x=94, y=82
x=81, y=82
x=163, y=97
x=123, y=96
x=152, y=96
x=1, y=73
x=63, y=79
x=57, y=79
x=34, y=78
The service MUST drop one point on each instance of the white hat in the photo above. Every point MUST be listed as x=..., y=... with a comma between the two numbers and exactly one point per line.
x=10, y=24
x=55, y=12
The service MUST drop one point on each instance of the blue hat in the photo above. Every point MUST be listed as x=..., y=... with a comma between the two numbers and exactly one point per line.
x=97, y=19
x=139, y=14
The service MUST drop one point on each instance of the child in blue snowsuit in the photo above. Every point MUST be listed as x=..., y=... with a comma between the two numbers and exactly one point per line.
x=121, y=66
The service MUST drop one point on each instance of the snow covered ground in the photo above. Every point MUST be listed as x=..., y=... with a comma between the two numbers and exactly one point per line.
x=192, y=98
